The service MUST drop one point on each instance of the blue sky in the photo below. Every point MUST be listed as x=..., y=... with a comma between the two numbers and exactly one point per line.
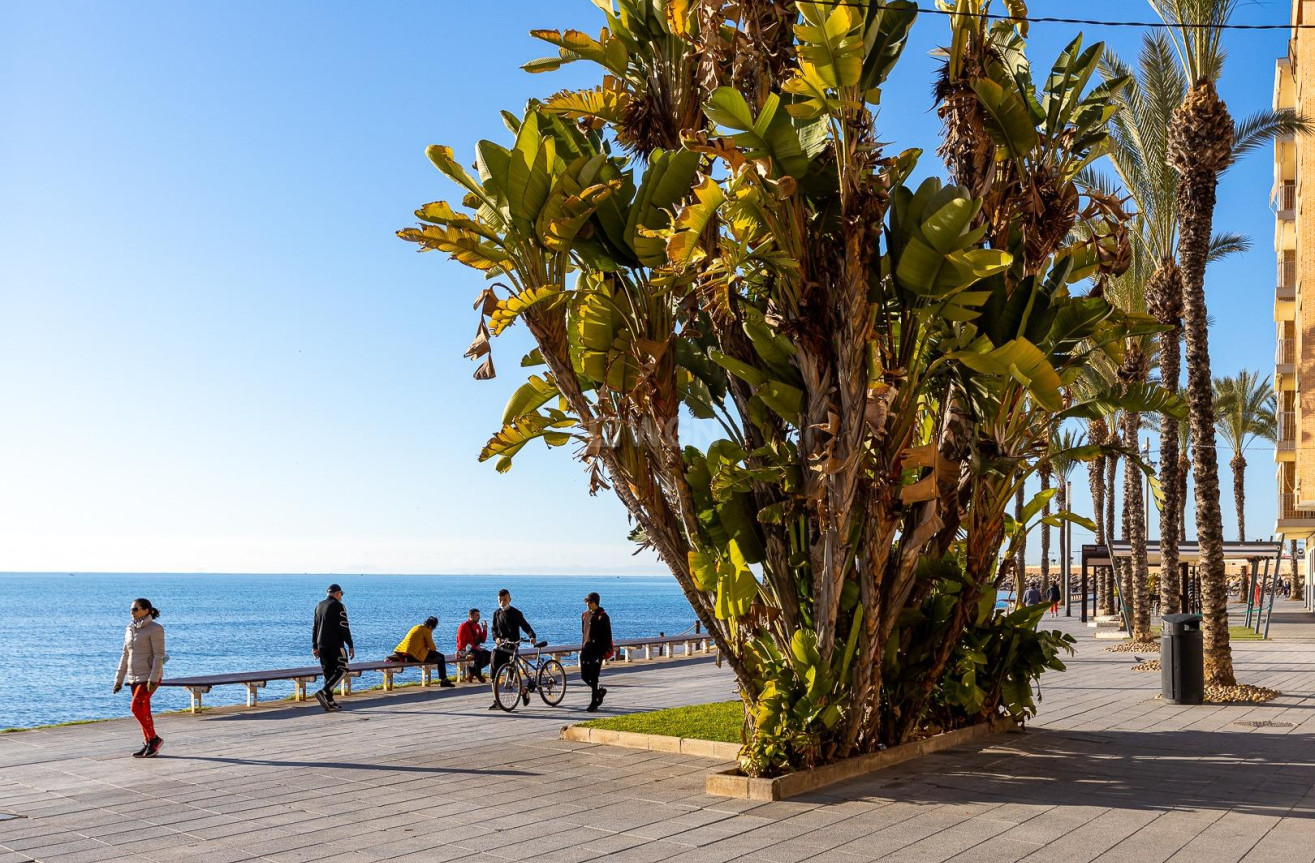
x=216, y=356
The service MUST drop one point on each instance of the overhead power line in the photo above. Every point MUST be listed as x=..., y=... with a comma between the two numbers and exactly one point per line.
x=1093, y=22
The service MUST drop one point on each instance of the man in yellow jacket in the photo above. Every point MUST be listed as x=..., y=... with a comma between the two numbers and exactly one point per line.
x=418, y=646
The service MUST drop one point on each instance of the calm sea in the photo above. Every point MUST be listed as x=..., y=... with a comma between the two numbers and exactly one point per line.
x=61, y=640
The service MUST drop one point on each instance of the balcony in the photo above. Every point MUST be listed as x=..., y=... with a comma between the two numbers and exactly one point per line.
x=1287, y=436
x=1286, y=289
x=1287, y=200
x=1285, y=358
x=1288, y=509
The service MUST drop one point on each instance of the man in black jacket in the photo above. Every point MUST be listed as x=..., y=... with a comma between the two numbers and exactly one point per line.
x=508, y=623
x=595, y=646
x=331, y=642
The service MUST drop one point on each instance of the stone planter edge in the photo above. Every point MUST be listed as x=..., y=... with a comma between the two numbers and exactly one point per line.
x=714, y=749
x=730, y=783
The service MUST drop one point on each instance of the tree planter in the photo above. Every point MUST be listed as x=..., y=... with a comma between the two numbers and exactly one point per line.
x=717, y=749
x=732, y=783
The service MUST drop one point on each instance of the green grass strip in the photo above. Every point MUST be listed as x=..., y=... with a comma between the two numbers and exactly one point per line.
x=721, y=721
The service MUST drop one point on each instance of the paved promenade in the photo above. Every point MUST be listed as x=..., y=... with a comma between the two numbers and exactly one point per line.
x=1106, y=773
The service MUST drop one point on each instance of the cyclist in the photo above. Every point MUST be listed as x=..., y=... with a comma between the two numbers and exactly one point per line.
x=508, y=624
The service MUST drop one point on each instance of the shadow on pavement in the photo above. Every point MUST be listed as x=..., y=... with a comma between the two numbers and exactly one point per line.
x=1248, y=773
x=347, y=765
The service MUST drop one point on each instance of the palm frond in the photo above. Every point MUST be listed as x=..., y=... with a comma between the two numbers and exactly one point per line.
x=1264, y=127
x=1225, y=243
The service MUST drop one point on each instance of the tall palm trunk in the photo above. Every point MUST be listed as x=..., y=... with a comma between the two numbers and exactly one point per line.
x=1021, y=561
x=1114, y=595
x=1239, y=467
x=1044, y=471
x=1297, y=592
x=1200, y=147
x=1137, y=570
x=1164, y=296
x=1097, y=431
x=1184, y=471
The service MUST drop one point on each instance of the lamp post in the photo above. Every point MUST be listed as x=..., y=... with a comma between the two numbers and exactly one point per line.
x=1066, y=551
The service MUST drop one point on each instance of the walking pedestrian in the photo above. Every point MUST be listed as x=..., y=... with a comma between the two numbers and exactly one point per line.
x=508, y=624
x=331, y=642
x=1032, y=596
x=595, y=646
x=1053, y=595
x=141, y=666
x=471, y=635
x=418, y=646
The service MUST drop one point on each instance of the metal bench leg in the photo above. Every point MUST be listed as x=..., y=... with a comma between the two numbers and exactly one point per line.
x=253, y=698
x=196, y=692
x=388, y=679
x=648, y=651
x=426, y=675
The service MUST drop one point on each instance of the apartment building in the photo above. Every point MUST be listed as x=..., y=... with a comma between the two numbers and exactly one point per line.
x=1294, y=291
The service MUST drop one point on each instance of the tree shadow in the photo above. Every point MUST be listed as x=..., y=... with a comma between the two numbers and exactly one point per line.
x=1250, y=773
x=347, y=765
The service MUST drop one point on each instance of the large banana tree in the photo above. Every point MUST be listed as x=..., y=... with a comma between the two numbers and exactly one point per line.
x=879, y=362
x=1245, y=409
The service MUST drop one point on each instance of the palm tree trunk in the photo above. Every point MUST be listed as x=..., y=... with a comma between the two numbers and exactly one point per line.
x=1021, y=560
x=1111, y=477
x=1096, y=479
x=1137, y=572
x=1200, y=147
x=1184, y=470
x=1165, y=300
x=1239, y=466
x=1297, y=591
x=1044, y=470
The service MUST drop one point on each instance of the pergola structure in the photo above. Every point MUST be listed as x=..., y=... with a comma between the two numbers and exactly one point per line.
x=1189, y=556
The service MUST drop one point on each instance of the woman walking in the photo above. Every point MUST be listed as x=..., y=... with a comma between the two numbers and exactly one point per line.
x=142, y=666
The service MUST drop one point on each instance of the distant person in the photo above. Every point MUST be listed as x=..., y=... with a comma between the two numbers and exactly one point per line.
x=595, y=646
x=1053, y=595
x=1031, y=596
x=508, y=624
x=418, y=646
x=331, y=642
x=141, y=666
x=471, y=635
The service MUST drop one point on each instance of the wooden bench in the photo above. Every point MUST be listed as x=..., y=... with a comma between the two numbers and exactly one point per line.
x=254, y=681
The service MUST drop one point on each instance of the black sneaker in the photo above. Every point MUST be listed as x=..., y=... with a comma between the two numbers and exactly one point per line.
x=141, y=753
x=592, y=708
x=334, y=705
x=323, y=700
x=601, y=692
x=153, y=747
x=495, y=706
x=446, y=683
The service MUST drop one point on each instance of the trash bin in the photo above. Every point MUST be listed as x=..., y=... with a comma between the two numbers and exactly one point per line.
x=1182, y=665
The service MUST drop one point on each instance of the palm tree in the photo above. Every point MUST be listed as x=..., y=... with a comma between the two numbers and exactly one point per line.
x=1062, y=461
x=1097, y=431
x=1201, y=143
x=1245, y=409
x=1044, y=470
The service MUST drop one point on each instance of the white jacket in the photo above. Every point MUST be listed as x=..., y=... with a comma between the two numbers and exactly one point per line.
x=143, y=653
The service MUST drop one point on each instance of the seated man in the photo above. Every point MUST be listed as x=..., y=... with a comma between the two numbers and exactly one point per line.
x=418, y=646
x=470, y=645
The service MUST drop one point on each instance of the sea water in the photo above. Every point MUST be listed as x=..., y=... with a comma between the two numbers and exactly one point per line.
x=62, y=634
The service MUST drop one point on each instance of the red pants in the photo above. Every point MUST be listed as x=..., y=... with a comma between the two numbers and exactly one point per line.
x=141, y=708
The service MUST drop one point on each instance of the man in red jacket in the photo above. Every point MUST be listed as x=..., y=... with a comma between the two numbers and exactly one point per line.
x=470, y=636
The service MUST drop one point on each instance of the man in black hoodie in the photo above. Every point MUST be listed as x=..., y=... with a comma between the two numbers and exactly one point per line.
x=331, y=642
x=508, y=623
x=595, y=646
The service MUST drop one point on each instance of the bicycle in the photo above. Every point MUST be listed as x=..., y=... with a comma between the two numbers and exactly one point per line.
x=520, y=674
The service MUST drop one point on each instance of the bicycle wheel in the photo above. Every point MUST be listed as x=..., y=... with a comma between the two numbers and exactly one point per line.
x=507, y=687
x=552, y=682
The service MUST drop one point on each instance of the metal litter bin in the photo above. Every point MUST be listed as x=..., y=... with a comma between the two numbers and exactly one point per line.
x=1182, y=663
